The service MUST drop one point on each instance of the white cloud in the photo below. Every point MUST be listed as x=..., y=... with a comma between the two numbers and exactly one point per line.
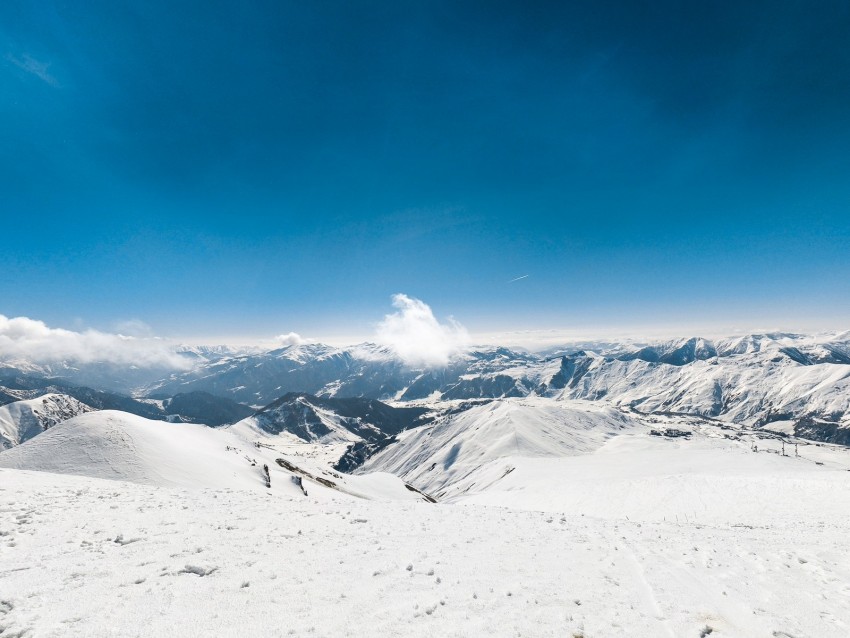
x=27, y=339
x=31, y=65
x=291, y=339
x=416, y=336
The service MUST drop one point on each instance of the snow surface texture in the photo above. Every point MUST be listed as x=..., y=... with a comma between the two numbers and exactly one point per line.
x=639, y=535
x=87, y=557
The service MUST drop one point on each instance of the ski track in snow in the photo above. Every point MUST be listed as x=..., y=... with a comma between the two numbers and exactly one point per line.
x=92, y=557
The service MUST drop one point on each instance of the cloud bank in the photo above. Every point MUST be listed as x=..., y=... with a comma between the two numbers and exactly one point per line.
x=30, y=340
x=416, y=336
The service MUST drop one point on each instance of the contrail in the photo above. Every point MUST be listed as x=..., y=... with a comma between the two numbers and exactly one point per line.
x=517, y=279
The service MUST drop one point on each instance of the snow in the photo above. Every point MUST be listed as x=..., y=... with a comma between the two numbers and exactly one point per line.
x=90, y=557
x=711, y=481
x=739, y=388
x=338, y=433
x=590, y=459
x=783, y=426
x=751, y=379
x=435, y=456
x=556, y=518
x=22, y=420
x=110, y=444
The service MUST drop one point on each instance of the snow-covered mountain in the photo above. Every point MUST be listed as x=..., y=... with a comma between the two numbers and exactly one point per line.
x=790, y=382
x=366, y=370
x=121, y=378
x=644, y=507
x=15, y=386
x=752, y=381
x=314, y=419
x=203, y=407
x=594, y=459
x=22, y=420
x=193, y=407
x=115, y=445
x=262, y=378
x=453, y=454
x=798, y=381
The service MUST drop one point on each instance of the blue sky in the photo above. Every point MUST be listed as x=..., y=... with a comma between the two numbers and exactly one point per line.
x=219, y=168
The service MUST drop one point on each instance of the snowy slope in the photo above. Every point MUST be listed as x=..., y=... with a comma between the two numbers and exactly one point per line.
x=434, y=457
x=22, y=420
x=560, y=513
x=88, y=557
x=752, y=388
x=592, y=459
x=323, y=426
x=557, y=518
x=119, y=446
x=702, y=479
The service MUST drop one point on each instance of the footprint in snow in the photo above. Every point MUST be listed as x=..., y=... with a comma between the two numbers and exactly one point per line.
x=199, y=571
x=120, y=540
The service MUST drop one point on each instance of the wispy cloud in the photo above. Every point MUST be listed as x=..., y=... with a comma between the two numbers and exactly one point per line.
x=133, y=328
x=33, y=66
x=416, y=336
x=22, y=338
x=518, y=278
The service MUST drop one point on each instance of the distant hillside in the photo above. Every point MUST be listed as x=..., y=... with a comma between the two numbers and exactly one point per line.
x=22, y=420
x=30, y=404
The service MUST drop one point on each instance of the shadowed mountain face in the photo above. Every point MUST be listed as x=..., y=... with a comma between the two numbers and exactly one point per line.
x=17, y=386
x=368, y=425
x=202, y=407
x=195, y=407
x=313, y=418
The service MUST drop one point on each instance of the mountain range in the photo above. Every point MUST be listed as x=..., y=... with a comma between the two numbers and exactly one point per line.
x=365, y=395
x=627, y=489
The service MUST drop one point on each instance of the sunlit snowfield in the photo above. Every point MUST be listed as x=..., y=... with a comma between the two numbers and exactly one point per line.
x=620, y=533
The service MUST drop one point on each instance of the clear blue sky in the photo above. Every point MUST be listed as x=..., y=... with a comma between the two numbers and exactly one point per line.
x=252, y=168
